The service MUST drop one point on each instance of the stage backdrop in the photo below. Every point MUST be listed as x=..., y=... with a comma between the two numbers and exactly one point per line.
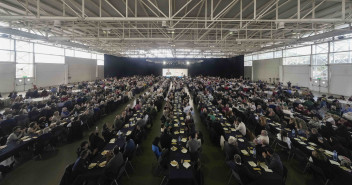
x=222, y=67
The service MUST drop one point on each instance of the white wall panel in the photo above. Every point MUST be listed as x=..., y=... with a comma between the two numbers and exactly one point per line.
x=50, y=74
x=100, y=70
x=298, y=75
x=81, y=69
x=340, y=79
x=248, y=72
x=266, y=70
x=7, y=77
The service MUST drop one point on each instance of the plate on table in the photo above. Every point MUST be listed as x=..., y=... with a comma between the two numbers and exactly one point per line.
x=174, y=163
x=182, y=131
x=186, y=165
x=244, y=152
x=278, y=128
x=302, y=143
x=139, y=118
x=173, y=148
x=102, y=164
x=334, y=162
x=233, y=130
x=27, y=139
x=226, y=129
x=184, y=150
x=92, y=165
x=176, y=125
x=184, y=139
x=252, y=163
x=2, y=147
x=240, y=140
x=176, y=132
x=34, y=137
x=183, y=124
x=112, y=140
x=329, y=152
x=173, y=140
x=313, y=144
x=297, y=139
x=104, y=152
x=128, y=133
x=303, y=138
x=228, y=124
x=63, y=123
x=346, y=169
x=288, y=129
x=310, y=148
x=134, y=114
x=38, y=131
x=181, y=118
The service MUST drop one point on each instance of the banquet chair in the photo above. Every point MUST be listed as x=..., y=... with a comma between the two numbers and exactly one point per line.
x=284, y=147
x=236, y=176
x=284, y=176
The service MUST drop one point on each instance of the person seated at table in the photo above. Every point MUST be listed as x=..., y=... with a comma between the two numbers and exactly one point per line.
x=211, y=116
x=15, y=135
x=259, y=109
x=83, y=146
x=262, y=139
x=272, y=115
x=245, y=174
x=240, y=126
x=165, y=138
x=118, y=123
x=193, y=144
x=56, y=117
x=65, y=113
x=314, y=123
x=292, y=123
x=33, y=128
x=114, y=162
x=95, y=141
x=347, y=108
x=273, y=161
x=107, y=133
x=156, y=148
x=283, y=136
x=129, y=148
x=80, y=167
x=231, y=147
x=137, y=135
x=261, y=126
x=320, y=161
x=314, y=136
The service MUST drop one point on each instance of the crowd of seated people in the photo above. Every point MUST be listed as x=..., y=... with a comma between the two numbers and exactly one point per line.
x=65, y=113
x=88, y=150
x=320, y=120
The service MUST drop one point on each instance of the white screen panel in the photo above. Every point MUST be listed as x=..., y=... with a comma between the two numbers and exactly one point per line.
x=175, y=72
x=340, y=79
x=7, y=77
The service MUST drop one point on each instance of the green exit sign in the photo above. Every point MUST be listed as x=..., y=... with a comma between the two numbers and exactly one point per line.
x=24, y=76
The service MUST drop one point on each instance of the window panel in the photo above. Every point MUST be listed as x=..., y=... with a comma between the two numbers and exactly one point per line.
x=340, y=58
x=100, y=62
x=320, y=48
x=342, y=45
x=7, y=56
x=321, y=59
x=320, y=72
x=42, y=58
x=6, y=44
x=69, y=52
x=24, y=46
x=24, y=70
x=44, y=49
x=278, y=54
x=24, y=57
x=301, y=60
x=248, y=58
x=264, y=56
x=82, y=54
x=297, y=51
x=248, y=63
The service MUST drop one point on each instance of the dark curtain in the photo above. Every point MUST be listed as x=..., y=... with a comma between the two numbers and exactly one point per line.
x=222, y=67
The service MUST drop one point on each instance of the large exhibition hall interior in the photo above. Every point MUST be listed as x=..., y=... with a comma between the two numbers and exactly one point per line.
x=175, y=92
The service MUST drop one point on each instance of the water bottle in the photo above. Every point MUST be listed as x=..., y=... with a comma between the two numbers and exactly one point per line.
x=292, y=110
x=335, y=155
x=179, y=139
x=96, y=128
x=119, y=133
x=254, y=153
x=76, y=114
x=293, y=132
x=46, y=124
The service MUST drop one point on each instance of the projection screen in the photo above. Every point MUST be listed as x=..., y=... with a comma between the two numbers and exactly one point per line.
x=169, y=72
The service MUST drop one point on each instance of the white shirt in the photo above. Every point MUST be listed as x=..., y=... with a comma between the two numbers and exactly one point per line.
x=241, y=128
x=264, y=140
x=285, y=139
